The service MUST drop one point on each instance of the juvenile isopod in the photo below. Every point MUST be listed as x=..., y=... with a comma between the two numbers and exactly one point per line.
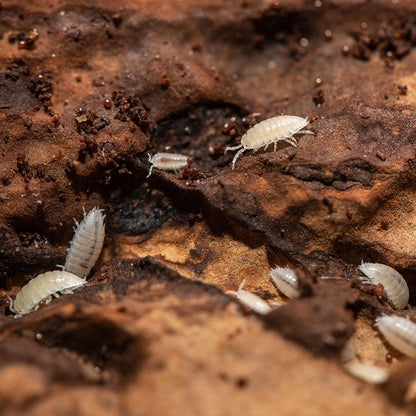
x=394, y=285
x=167, y=161
x=42, y=288
x=251, y=300
x=270, y=131
x=86, y=245
x=286, y=281
x=399, y=332
x=366, y=372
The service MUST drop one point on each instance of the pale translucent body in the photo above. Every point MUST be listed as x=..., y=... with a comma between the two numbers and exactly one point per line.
x=286, y=281
x=167, y=161
x=42, y=287
x=251, y=300
x=393, y=282
x=85, y=247
x=399, y=332
x=368, y=373
x=271, y=131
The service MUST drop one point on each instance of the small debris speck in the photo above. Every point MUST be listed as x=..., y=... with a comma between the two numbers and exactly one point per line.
x=318, y=97
x=328, y=35
x=381, y=155
x=402, y=89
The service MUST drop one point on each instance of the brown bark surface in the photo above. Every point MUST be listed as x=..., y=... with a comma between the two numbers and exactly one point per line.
x=87, y=89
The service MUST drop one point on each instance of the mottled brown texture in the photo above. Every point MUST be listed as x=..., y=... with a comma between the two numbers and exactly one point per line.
x=322, y=322
x=87, y=90
x=55, y=164
x=144, y=340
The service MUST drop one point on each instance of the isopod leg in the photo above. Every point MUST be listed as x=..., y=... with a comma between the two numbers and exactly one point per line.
x=77, y=225
x=150, y=171
x=290, y=140
x=70, y=290
x=233, y=292
x=305, y=132
x=287, y=140
x=232, y=148
x=11, y=302
x=236, y=156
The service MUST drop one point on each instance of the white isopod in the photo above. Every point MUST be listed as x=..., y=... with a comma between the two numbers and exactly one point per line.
x=394, y=285
x=286, y=281
x=251, y=300
x=366, y=372
x=86, y=245
x=167, y=161
x=399, y=332
x=271, y=131
x=42, y=288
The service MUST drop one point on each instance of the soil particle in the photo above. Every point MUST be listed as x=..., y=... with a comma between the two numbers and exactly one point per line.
x=24, y=40
x=192, y=78
x=41, y=87
x=88, y=122
x=321, y=322
x=131, y=108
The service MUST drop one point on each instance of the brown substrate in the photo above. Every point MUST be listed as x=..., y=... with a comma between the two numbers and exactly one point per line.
x=87, y=90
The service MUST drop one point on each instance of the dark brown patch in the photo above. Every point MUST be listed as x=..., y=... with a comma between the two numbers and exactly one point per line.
x=322, y=322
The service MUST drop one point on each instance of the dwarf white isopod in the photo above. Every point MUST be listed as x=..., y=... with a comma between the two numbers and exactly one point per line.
x=399, y=332
x=271, y=131
x=394, y=285
x=167, y=161
x=286, y=281
x=251, y=300
x=368, y=373
x=41, y=288
x=86, y=245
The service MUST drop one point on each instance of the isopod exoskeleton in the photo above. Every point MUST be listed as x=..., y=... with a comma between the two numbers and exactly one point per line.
x=286, y=281
x=167, y=161
x=251, y=300
x=399, y=332
x=269, y=131
x=42, y=288
x=85, y=247
x=366, y=372
x=395, y=286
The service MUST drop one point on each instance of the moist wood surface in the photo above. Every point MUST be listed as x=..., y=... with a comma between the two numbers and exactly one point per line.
x=87, y=90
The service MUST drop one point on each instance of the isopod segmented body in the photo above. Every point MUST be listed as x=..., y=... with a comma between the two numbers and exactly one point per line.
x=86, y=245
x=366, y=372
x=167, y=161
x=251, y=300
x=286, y=281
x=399, y=332
x=271, y=131
x=393, y=282
x=42, y=287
